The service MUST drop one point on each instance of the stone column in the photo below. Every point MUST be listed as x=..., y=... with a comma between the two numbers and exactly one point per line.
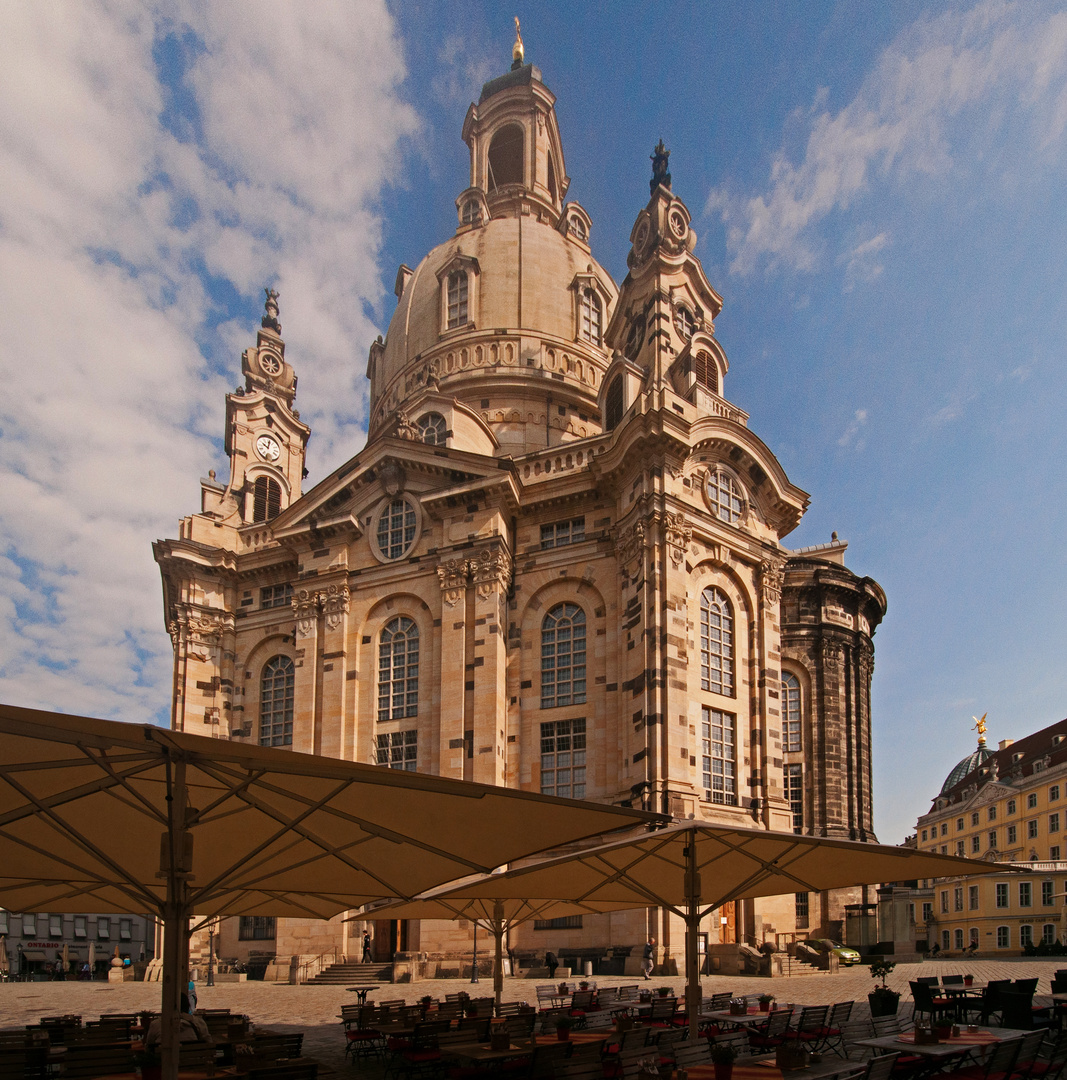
x=775, y=812
x=333, y=737
x=305, y=689
x=452, y=574
x=491, y=574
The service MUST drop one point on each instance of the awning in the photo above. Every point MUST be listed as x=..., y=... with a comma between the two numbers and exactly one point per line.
x=33, y=954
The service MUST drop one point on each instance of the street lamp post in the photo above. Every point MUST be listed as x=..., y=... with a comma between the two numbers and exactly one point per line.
x=474, y=964
x=211, y=955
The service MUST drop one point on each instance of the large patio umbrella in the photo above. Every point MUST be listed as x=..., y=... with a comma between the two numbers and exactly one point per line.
x=496, y=915
x=5, y=964
x=691, y=868
x=134, y=818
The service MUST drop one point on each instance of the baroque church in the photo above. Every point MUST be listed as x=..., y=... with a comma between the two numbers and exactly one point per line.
x=557, y=563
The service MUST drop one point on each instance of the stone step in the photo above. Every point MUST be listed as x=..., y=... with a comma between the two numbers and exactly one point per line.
x=354, y=974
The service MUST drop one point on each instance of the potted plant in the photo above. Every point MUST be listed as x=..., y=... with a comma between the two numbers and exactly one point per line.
x=765, y=1002
x=663, y=991
x=968, y=980
x=883, y=1000
x=563, y=1028
x=722, y=1057
x=583, y=985
x=562, y=988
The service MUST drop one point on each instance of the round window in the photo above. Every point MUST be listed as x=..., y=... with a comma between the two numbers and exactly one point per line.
x=397, y=525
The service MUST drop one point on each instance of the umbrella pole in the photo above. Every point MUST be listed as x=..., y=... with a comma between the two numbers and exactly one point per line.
x=176, y=853
x=498, y=969
x=692, y=926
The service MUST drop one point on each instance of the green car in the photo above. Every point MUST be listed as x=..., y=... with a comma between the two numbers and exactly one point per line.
x=845, y=953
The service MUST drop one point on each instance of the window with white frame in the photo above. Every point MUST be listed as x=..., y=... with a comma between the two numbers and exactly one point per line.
x=976, y=844
x=1031, y=830
x=928, y=911
x=457, y=299
x=432, y=429
x=944, y=901
x=398, y=750
x=790, y=713
x=718, y=745
x=1031, y=800
x=1046, y=894
x=563, y=657
x=563, y=761
x=957, y=898
x=1001, y=894
x=591, y=316
x=972, y=897
x=398, y=669
x=716, y=642
x=272, y=596
x=1053, y=823
x=1054, y=793
x=276, y=692
x=725, y=496
x=396, y=529
x=794, y=794
x=972, y=935
x=684, y=322
x=1012, y=835
x=1026, y=935
x=1026, y=894
x=1003, y=937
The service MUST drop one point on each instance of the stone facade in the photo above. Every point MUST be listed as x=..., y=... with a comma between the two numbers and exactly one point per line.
x=557, y=564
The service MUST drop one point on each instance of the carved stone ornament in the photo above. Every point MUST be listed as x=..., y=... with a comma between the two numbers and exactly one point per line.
x=771, y=578
x=453, y=577
x=306, y=612
x=678, y=535
x=405, y=429
x=334, y=601
x=718, y=553
x=866, y=662
x=629, y=544
x=833, y=656
x=491, y=570
x=198, y=631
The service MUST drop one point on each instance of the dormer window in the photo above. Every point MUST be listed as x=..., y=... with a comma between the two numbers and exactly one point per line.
x=266, y=499
x=591, y=316
x=457, y=299
x=432, y=429
x=613, y=406
x=472, y=212
x=725, y=498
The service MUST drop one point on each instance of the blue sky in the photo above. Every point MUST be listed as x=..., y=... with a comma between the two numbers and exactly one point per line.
x=878, y=190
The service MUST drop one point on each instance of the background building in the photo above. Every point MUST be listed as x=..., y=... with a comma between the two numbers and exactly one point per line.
x=557, y=563
x=1006, y=805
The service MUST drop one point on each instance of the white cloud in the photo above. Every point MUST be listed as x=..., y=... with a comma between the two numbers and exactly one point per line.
x=851, y=436
x=861, y=263
x=115, y=230
x=996, y=64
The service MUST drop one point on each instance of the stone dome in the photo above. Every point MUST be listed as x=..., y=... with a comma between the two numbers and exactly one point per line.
x=967, y=766
x=527, y=274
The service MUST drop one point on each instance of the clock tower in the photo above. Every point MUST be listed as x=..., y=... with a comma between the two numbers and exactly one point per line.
x=265, y=439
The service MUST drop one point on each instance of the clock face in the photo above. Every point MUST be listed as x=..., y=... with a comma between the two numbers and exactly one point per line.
x=267, y=447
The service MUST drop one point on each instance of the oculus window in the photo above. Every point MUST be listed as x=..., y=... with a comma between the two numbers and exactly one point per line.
x=396, y=529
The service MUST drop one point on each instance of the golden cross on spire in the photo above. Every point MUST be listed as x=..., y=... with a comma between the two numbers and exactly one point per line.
x=517, y=51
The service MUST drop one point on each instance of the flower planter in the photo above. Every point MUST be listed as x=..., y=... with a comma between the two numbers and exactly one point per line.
x=563, y=1034
x=724, y=1070
x=884, y=1002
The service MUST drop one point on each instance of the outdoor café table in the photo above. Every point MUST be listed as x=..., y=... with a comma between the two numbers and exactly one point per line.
x=361, y=992
x=746, y=1019
x=764, y=1068
x=577, y=1037
x=960, y=1044
x=484, y=1054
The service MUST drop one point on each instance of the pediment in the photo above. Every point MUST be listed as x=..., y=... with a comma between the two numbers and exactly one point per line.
x=339, y=504
x=990, y=793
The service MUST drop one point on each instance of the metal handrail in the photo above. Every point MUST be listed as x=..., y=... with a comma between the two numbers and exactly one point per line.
x=333, y=956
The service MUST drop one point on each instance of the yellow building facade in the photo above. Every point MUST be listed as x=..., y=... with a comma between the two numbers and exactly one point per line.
x=557, y=564
x=1008, y=806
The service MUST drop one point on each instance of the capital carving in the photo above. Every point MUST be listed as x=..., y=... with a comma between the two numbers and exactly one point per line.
x=866, y=662
x=199, y=630
x=771, y=577
x=453, y=577
x=833, y=656
x=678, y=535
x=305, y=611
x=491, y=571
x=334, y=601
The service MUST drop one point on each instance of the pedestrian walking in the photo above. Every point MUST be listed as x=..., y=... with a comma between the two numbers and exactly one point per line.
x=649, y=964
x=367, y=958
x=551, y=963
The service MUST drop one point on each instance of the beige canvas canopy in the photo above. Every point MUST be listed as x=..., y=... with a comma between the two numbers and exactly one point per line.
x=694, y=867
x=130, y=817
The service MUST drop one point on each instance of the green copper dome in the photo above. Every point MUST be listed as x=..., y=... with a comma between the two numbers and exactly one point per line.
x=966, y=767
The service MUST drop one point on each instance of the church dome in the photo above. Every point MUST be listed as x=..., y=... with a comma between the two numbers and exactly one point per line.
x=967, y=766
x=508, y=317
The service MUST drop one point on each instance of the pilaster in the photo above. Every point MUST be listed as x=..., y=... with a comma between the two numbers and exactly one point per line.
x=452, y=575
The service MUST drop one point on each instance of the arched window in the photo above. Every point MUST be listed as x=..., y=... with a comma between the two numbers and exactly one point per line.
x=716, y=642
x=790, y=713
x=472, y=212
x=266, y=499
x=506, y=157
x=432, y=429
x=276, y=702
x=396, y=529
x=398, y=670
x=705, y=369
x=563, y=657
x=457, y=299
x=724, y=495
x=551, y=179
x=590, y=328
x=613, y=405
x=1026, y=935
x=958, y=936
